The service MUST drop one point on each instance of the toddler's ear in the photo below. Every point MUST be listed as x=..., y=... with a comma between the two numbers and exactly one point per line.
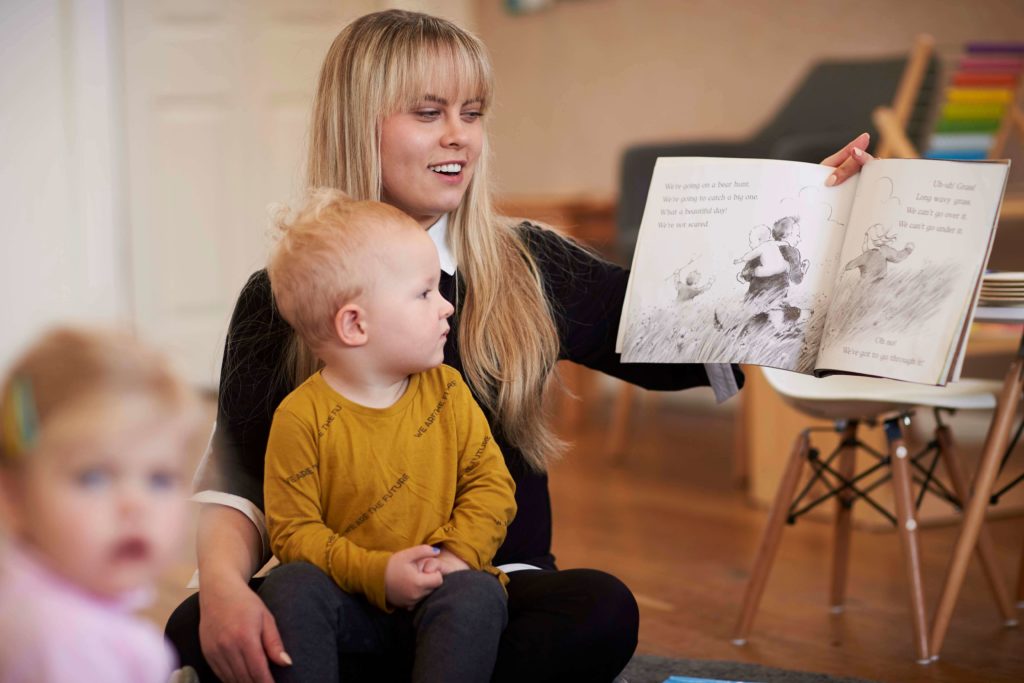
x=350, y=325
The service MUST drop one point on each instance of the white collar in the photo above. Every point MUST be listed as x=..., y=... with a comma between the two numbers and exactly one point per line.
x=439, y=234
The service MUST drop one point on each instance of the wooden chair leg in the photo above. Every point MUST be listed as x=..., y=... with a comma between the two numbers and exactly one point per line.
x=907, y=526
x=770, y=538
x=844, y=521
x=985, y=548
x=1020, y=580
x=995, y=445
x=621, y=414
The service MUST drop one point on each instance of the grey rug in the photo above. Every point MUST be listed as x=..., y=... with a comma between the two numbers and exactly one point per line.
x=651, y=669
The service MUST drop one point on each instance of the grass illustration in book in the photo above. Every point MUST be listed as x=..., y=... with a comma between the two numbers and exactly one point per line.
x=757, y=261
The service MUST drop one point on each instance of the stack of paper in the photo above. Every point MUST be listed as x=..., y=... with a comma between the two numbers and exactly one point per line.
x=1002, y=288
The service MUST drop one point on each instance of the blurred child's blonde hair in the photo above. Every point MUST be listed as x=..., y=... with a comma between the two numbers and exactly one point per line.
x=324, y=258
x=78, y=375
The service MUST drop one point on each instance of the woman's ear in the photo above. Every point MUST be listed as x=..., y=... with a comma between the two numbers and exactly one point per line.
x=350, y=325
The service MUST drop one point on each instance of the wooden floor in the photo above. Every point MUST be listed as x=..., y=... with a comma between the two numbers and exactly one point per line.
x=670, y=523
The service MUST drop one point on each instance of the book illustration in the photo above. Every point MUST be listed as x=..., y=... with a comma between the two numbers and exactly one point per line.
x=876, y=250
x=873, y=296
x=760, y=312
x=758, y=262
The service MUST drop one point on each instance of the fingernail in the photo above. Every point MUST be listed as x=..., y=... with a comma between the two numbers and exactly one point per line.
x=857, y=152
x=285, y=658
x=436, y=550
x=831, y=180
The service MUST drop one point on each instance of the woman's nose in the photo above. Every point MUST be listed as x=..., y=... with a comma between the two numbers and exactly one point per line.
x=454, y=133
x=447, y=309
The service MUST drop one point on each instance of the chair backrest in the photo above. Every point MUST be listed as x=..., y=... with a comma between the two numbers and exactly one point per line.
x=839, y=96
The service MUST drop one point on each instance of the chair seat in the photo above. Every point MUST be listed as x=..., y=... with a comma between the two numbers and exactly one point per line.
x=847, y=397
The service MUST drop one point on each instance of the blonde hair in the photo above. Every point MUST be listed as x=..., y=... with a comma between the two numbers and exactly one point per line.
x=319, y=263
x=71, y=373
x=379, y=65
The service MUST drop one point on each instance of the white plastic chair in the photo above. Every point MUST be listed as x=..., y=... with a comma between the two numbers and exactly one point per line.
x=848, y=402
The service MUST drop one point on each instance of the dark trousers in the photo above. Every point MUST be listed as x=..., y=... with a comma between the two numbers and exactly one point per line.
x=454, y=631
x=568, y=625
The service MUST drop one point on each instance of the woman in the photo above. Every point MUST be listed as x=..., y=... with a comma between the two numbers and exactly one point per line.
x=399, y=116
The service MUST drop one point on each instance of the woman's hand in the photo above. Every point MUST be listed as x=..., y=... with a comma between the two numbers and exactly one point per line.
x=849, y=160
x=236, y=631
x=238, y=634
x=408, y=578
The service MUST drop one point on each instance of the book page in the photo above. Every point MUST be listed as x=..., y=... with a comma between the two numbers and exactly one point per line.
x=734, y=263
x=917, y=241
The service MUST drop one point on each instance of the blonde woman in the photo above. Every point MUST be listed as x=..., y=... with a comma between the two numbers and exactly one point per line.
x=399, y=116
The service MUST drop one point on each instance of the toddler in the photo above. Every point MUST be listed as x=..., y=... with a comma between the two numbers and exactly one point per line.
x=93, y=438
x=381, y=470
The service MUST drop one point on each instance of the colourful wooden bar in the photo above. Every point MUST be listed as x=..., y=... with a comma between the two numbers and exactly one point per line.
x=955, y=142
x=1003, y=47
x=962, y=155
x=985, y=78
x=980, y=95
x=973, y=63
x=957, y=110
x=967, y=125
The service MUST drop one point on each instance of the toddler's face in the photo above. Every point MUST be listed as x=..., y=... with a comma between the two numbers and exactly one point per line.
x=107, y=511
x=408, y=316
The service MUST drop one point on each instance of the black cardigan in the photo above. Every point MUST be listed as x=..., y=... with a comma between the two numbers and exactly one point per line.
x=587, y=296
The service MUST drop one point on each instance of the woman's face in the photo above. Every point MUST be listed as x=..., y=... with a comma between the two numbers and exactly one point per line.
x=428, y=155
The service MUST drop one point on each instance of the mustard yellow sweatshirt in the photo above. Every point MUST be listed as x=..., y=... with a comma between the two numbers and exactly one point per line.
x=346, y=485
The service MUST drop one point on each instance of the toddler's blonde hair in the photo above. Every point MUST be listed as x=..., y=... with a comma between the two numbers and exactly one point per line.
x=325, y=258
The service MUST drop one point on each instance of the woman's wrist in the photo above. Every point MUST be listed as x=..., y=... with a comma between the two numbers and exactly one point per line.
x=228, y=549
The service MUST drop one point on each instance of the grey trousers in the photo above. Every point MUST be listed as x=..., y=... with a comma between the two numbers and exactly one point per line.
x=453, y=633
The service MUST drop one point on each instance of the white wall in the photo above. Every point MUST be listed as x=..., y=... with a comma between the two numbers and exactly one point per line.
x=62, y=239
x=85, y=224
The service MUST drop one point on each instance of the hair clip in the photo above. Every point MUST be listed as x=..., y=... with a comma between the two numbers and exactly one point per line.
x=20, y=419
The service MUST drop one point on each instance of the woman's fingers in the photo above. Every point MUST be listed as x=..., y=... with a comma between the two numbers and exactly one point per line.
x=849, y=160
x=860, y=142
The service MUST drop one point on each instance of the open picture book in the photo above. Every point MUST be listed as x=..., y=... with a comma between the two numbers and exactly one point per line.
x=759, y=262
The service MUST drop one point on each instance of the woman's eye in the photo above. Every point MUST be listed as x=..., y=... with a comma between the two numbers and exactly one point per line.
x=472, y=115
x=428, y=113
x=93, y=478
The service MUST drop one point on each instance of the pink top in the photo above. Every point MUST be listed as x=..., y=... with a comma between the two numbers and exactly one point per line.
x=52, y=631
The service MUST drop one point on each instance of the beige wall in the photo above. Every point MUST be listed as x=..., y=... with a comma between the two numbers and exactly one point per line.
x=583, y=79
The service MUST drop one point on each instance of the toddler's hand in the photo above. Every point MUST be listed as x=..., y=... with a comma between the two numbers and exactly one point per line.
x=450, y=562
x=405, y=582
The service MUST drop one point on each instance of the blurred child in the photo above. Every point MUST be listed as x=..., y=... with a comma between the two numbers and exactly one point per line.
x=92, y=457
x=381, y=469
